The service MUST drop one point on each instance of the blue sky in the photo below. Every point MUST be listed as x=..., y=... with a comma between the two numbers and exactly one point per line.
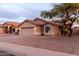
x=21, y=11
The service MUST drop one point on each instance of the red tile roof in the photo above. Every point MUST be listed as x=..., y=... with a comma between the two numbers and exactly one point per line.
x=46, y=22
x=42, y=22
x=12, y=23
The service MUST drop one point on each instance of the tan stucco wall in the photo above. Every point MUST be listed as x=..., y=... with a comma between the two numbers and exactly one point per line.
x=1, y=30
x=18, y=28
x=37, y=30
x=54, y=30
x=27, y=24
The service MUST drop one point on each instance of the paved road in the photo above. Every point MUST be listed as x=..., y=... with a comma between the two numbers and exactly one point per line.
x=2, y=53
x=20, y=50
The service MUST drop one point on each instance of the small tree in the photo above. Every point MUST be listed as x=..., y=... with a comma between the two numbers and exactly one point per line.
x=69, y=12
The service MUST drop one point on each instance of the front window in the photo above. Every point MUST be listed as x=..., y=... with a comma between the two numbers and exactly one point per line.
x=47, y=29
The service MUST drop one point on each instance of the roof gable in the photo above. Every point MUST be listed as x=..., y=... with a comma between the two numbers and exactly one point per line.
x=39, y=21
x=29, y=21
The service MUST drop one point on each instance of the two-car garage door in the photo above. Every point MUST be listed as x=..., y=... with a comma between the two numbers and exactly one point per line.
x=27, y=30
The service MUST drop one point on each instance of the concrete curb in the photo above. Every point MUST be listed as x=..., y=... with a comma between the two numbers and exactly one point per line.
x=20, y=50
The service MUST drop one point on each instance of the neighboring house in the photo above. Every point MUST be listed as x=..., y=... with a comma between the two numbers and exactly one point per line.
x=11, y=27
x=75, y=27
x=39, y=27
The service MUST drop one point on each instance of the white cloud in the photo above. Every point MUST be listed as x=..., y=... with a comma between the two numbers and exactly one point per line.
x=18, y=19
x=18, y=12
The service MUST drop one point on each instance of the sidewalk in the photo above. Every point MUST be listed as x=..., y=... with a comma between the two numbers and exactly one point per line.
x=20, y=50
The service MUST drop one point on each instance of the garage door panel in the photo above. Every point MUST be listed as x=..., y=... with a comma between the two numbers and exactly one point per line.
x=27, y=27
x=27, y=31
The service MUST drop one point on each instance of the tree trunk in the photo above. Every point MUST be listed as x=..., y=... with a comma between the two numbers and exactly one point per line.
x=70, y=29
x=70, y=32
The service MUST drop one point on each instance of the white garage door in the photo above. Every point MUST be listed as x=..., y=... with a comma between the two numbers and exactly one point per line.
x=27, y=31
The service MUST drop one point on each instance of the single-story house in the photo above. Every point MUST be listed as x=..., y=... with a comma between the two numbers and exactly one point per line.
x=11, y=27
x=39, y=27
